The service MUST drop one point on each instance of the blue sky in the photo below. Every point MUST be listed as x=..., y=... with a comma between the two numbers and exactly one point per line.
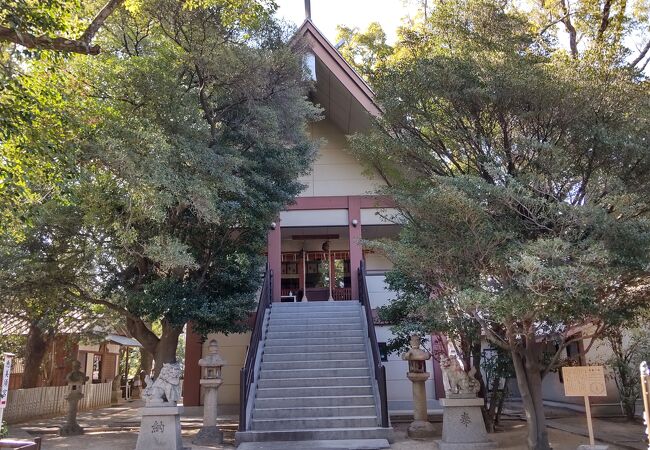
x=327, y=14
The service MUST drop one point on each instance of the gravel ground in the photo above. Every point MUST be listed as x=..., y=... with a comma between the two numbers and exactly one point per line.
x=512, y=438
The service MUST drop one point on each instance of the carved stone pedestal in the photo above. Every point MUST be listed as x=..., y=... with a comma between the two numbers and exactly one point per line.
x=420, y=428
x=462, y=425
x=72, y=428
x=160, y=428
x=209, y=434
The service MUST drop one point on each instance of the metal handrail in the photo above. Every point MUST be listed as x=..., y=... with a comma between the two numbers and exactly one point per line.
x=247, y=373
x=380, y=369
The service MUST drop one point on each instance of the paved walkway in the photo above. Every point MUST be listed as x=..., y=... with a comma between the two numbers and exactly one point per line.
x=610, y=430
x=116, y=428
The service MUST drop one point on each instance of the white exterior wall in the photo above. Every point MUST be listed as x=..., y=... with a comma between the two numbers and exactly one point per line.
x=380, y=216
x=378, y=291
x=335, y=172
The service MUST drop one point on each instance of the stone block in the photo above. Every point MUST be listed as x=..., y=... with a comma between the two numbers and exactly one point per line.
x=462, y=425
x=593, y=447
x=160, y=428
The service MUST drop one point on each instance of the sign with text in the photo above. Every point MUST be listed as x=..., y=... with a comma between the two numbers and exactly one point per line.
x=584, y=381
x=6, y=373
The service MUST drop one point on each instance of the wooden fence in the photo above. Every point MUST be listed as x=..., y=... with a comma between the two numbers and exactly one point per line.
x=26, y=404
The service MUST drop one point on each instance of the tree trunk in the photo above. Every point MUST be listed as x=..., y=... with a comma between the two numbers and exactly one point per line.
x=146, y=364
x=476, y=362
x=529, y=381
x=502, y=399
x=166, y=349
x=490, y=419
x=34, y=352
x=162, y=348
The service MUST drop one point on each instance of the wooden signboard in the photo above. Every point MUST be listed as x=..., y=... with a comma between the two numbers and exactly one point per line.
x=585, y=381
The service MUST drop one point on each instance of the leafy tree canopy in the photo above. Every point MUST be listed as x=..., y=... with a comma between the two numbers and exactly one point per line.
x=173, y=150
x=520, y=171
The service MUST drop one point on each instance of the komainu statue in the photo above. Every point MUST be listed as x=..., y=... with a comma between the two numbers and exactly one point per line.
x=458, y=382
x=166, y=387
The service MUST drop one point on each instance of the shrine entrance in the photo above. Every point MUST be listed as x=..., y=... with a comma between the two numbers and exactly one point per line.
x=315, y=266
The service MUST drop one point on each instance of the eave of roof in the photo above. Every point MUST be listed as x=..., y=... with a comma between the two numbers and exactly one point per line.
x=334, y=61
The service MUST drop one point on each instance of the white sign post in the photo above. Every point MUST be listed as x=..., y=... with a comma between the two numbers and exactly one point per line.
x=585, y=381
x=4, y=390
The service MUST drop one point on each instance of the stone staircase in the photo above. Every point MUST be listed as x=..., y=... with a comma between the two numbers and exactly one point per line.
x=315, y=381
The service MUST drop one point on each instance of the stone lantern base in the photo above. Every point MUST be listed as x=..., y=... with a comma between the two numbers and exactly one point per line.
x=208, y=436
x=462, y=425
x=71, y=430
x=419, y=429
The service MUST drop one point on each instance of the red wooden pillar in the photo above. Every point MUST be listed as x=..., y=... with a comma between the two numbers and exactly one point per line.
x=275, y=259
x=438, y=347
x=192, y=376
x=356, y=251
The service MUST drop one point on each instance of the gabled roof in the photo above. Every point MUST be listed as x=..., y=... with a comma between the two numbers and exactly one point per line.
x=334, y=63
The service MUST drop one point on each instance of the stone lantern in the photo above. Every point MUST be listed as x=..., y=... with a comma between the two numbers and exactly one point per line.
x=417, y=358
x=210, y=380
x=76, y=380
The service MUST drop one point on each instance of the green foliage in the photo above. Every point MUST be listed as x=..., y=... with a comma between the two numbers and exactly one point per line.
x=151, y=172
x=39, y=17
x=629, y=349
x=522, y=179
x=367, y=51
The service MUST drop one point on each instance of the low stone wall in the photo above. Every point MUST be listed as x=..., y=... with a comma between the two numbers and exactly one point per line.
x=26, y=404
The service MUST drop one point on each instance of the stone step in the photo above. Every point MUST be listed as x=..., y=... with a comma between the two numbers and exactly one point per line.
x=338, y=312
x=318, y=391
x=353, y=310
x=277, y=334
x=311, y=423
x=274, y=349
x=311, y=364
x=314, y=328
x=344, y=340
x=315, y=402
x=314, y=304
x=290, y=374
x=322, y=411
x=314, y=356
x=316, y=321
x=313, y=382
x=321, y=317
x=321, y=444
x=315, y=434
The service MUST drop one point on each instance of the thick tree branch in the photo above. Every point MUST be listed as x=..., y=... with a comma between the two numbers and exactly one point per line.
x=61, y=44
x=573, y=34
x=47, y=43
x=604, y=23
x=641, y=55
x=99, y=20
